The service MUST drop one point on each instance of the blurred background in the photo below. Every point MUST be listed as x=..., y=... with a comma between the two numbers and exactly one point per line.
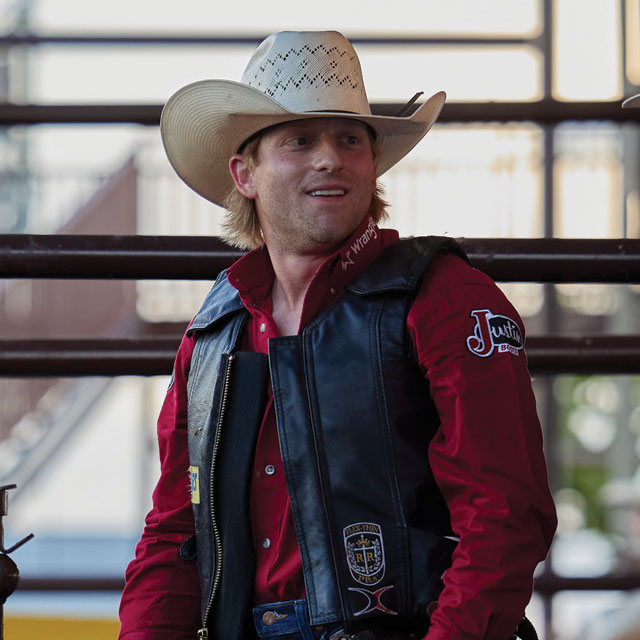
x=82, y=450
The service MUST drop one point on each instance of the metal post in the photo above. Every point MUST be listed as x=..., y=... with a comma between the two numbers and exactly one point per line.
x=550, y=322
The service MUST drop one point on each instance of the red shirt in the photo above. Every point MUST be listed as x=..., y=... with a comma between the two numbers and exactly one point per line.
x=486, y=458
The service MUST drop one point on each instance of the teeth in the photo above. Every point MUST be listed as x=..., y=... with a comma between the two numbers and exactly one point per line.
x=328, y=192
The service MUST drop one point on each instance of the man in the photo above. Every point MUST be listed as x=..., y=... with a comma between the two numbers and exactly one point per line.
x=354, y=411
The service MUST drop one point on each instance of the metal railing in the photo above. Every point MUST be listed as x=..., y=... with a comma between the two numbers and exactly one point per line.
x=180, y=257
x=199, y=258
x=543, y=112
x=539, y=260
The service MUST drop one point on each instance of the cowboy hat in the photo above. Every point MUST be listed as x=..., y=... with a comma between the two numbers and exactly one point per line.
x=292, y=75
x=633, y=101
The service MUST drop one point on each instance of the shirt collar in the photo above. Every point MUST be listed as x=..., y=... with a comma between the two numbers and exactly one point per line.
x=253, y=275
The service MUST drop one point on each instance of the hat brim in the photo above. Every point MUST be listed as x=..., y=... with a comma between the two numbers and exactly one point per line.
x=203, y=125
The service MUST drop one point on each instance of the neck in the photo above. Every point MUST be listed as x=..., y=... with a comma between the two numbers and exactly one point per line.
x=293, y=275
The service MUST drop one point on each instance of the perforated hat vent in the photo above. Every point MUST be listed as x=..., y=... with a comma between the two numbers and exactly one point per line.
x=317, y=68
x=320, y=74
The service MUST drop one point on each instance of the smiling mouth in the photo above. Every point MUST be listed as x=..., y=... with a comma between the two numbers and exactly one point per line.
x=328, y=192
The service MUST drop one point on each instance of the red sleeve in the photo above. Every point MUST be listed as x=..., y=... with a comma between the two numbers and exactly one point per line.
x=487, y=454
x=161, y=598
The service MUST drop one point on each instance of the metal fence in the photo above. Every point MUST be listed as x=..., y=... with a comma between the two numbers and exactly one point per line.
x=146, y=257
x=544, y=260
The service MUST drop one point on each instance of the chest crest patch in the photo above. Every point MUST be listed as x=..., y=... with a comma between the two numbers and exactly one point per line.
x=493, y=332
x=364, y=546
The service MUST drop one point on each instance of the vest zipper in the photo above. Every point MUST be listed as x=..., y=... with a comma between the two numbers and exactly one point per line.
x=203, y=634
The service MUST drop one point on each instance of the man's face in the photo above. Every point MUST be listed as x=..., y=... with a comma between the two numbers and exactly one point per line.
x=312, y=183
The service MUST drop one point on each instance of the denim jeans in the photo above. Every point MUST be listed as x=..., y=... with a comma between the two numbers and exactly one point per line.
x=288, y=621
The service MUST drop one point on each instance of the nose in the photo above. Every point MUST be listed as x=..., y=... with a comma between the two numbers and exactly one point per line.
x=327, y=156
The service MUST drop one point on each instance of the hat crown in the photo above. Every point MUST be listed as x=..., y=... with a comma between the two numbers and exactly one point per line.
x=309, y=71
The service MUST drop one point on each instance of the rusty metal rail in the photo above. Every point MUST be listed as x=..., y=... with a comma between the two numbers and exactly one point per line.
x=202, y=258
x=139, y=257
x=242, y=39
x=154, y=356
x=545, y=584
x=546, y=111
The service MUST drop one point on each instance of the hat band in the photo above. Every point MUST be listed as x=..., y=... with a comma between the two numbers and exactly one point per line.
x=402, y=111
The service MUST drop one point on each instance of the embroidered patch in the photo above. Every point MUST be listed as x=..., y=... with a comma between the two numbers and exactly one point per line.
x=373, y=600
x=365, y=552
x=493, y=332
x=194, y=484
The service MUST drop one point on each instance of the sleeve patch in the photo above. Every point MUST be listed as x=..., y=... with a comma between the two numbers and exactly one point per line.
x=493, y=332
x=194, y=484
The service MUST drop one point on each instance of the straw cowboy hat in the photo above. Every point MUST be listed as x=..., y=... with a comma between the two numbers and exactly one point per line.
x=292, y=75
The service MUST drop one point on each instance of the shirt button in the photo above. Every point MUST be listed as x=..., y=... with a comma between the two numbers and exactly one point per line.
x=333, y=291
x=266, y=543
x=263, y=327
x=269, y=469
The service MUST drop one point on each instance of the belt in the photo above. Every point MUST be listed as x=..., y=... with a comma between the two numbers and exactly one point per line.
x=525, y=631
x=290, y=619
x=375, y=634
x=292, y=616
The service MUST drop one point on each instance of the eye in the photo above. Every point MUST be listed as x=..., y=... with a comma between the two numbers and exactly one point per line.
x=298, y=141
x=352, y=139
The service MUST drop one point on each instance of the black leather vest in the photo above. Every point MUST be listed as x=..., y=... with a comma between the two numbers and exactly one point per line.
x=354, y=419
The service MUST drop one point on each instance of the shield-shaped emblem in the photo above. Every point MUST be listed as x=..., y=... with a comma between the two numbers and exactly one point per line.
x=365, y=552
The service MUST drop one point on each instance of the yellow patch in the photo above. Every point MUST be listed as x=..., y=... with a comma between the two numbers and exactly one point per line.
x=194, y=484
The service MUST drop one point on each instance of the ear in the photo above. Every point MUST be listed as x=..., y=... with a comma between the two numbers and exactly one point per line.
x=242, y=176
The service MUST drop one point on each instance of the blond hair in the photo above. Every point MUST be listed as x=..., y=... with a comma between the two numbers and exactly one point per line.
x=241, y=228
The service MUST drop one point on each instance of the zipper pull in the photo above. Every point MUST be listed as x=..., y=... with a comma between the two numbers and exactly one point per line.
x=203, y=634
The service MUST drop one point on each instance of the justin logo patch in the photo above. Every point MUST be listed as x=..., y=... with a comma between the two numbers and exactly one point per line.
x=365, y=552
x=493, y=332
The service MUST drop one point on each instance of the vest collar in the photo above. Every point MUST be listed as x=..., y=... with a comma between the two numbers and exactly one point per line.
x=221, y=301
x=400, y=267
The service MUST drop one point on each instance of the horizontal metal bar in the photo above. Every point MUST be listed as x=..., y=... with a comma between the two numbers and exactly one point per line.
x=551, y=355
x=202, y=258
x=555, y=260
x=543, y=585
x=126, y=257
x=70, y=584
x=539, y=112
x=547, y=355
x=31, y=114
x=32, y=39
x=87, y=357
x=553, y=584
x=543, y=112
